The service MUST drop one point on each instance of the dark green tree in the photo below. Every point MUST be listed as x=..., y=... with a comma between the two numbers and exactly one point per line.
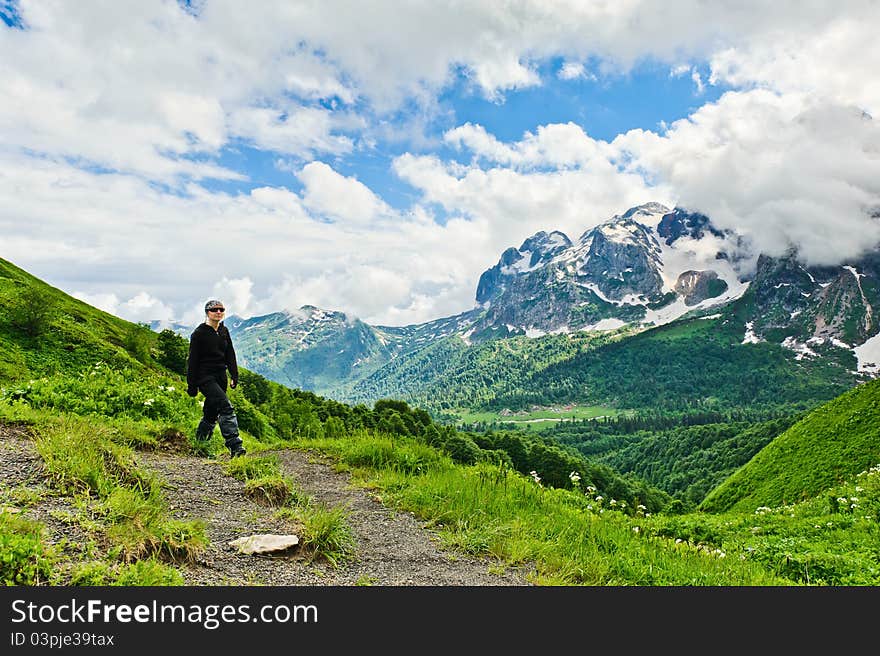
x=138, y=341
x=172, y=351
x=255, y=387
x=31, y=311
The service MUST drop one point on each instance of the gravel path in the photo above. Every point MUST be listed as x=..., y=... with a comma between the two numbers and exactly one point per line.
x=393, y=548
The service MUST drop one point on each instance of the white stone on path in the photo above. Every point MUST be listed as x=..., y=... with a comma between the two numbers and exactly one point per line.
x=267, y=543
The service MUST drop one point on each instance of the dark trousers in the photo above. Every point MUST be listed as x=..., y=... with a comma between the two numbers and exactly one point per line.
x=217, y=409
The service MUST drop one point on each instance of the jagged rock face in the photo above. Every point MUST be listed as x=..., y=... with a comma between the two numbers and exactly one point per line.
x=846, y=307
x=623, y=259
x=680, y=223
x=780, y=287
x=544, y=247
x=535, y=251
x=697, y=286
x=818, y=303
x=548, y=299
x=614, y=271
x=536, y=298
x=839, y=303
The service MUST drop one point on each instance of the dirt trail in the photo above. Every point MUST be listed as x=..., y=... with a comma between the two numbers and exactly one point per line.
x=393, y=548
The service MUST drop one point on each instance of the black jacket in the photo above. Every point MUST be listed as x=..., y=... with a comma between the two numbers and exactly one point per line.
x=210, y=352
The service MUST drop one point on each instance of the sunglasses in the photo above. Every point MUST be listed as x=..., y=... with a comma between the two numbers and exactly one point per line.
x=216, y=309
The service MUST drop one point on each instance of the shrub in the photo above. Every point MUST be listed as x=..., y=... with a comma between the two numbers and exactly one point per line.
x=138, y=341
x=334, y=428
x=249, y=418
x=461, y=449
x=31, y=311
x=149, y=572
x=23, y=558
x=173, y=351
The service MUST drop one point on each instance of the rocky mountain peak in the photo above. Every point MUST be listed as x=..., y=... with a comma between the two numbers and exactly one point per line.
x=616, y=270
x=645, y=210
x=680, y=223
x=544, y=247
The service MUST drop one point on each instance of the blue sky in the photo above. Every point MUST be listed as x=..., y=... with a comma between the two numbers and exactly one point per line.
x=647, y=97
x=376, y=158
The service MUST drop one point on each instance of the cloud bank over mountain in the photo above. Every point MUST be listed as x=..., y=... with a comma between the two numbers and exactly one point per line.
x=360, y=156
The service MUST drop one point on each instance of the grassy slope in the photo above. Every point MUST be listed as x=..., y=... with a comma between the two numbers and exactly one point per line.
x=76, y=333
x=688, y=363
x=689, y=546
x=833, y=443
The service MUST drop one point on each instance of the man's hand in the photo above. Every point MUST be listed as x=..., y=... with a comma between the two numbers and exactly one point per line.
x=233, y=383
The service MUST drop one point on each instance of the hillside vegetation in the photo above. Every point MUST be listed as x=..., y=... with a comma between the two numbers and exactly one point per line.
x=90, y=389
x=830, y=445
x=691, y=364
x=449, y=374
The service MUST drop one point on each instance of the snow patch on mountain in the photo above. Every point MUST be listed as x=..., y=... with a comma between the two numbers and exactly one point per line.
x=606, y=324
x=750, y=337
x=868, y=356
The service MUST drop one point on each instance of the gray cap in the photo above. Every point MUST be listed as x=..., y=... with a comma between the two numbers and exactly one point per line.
x=213, y=303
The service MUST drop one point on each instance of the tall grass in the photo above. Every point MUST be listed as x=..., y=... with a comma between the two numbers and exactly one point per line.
x=559, y=536
x=122, y=502
x=566, y=536
x=326, y=534
x=263, y=479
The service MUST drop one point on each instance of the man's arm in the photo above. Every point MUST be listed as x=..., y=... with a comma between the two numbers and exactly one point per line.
x=231, y=361
x=192, y=366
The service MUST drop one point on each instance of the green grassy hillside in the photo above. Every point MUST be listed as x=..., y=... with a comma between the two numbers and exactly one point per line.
x=830, y=445
x=44, y=331
x=90, y=388
x=72, y=357
x=450, y=373
x=689, y=364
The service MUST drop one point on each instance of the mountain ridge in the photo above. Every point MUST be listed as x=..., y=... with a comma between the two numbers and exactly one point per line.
x=644, y=268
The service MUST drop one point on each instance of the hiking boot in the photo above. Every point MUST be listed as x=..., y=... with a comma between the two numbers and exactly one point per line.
x=237, y=451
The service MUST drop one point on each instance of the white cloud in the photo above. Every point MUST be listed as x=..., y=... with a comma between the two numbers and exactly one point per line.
x=698, y=81
x=784, y=170
x=837, y=60
x=141, y=308
x=573, y=70
x=327, y=193
x=556, y=145
x=155, y=95
x=304, y=131
x=511, y=205
x=108, y=302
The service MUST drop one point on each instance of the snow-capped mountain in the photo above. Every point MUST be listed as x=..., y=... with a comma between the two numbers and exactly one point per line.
x=309, y=348
x=807, y=308
x=650, y=265
x=646, y=267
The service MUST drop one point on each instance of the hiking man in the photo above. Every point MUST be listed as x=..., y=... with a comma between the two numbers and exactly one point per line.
x=210, y=355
